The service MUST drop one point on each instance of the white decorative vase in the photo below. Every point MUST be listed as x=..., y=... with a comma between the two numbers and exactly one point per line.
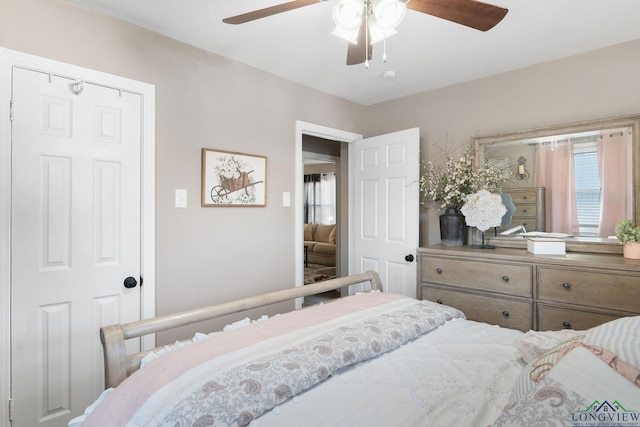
x=631, y=250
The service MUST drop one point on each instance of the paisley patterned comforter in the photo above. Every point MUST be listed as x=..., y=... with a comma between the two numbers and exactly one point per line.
x=233, y=378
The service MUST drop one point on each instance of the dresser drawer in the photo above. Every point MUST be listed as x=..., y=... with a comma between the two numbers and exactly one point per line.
x=592, y=288
x=524, y=197
x=510, y=279
x=505, y=312
x=556, y=318
x=526, y=211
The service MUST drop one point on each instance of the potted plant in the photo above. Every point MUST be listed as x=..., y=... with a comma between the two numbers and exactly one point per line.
x=448, y=182
x=629, y=236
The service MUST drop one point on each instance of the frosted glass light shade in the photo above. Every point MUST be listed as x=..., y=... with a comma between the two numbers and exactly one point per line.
x=378, y=33
x=347, y=14
x=349, y=35
x=384, y=16
x=388, y=13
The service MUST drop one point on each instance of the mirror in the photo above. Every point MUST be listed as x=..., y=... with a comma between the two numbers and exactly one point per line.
x=555, y=182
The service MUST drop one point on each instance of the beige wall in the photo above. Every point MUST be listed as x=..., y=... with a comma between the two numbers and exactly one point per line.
x=204, y=100
x=599, y=84
x=204, y=255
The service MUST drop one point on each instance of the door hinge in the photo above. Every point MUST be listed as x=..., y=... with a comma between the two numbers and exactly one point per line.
x=10, y=410
x=11, y=110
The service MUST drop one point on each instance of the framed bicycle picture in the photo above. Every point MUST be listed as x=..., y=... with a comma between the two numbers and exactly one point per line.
x=233, y=179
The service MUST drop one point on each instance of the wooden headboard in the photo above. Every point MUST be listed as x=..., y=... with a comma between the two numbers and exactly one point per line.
x=118, y=365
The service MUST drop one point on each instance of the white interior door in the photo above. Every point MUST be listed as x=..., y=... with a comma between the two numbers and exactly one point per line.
x=385, y=173
x=76, y=153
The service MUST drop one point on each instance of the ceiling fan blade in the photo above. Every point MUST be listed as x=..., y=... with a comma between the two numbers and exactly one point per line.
x=470, y=13
x=268, y=11
x=358, y=53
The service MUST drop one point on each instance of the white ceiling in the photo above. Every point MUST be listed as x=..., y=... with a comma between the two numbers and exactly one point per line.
x=428, y=52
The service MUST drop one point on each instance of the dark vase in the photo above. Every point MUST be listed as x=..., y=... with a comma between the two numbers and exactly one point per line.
x=452, y=228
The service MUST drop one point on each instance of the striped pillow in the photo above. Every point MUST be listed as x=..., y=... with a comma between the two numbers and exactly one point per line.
x=620, y=336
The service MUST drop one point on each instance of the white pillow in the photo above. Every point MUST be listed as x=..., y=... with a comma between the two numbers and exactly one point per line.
x=620, y=336
x=534, y=344
x=581, y=387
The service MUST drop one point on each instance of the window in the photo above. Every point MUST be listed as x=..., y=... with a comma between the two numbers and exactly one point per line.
x=320, y=198
x=588, y=187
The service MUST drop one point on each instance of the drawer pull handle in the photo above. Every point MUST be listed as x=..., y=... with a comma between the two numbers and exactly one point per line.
x=505, y=278
x=524, y=198
x=439, y=301
x=566, y=286
x=505, y=314
x=566, y=325
x=439, y=270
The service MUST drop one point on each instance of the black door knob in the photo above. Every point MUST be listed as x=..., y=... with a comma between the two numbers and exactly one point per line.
x=130, y=282
x=409, y=258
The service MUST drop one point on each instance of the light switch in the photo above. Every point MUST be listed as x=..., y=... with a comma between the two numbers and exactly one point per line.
x=181, y=198
x=286, y=199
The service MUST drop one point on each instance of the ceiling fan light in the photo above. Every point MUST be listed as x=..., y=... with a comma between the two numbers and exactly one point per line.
x=347, y=14
x=389, y=13
x=349, y=35
x=377, y=33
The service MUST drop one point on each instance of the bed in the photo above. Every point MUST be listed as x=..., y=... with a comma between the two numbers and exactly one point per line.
x=373, y=359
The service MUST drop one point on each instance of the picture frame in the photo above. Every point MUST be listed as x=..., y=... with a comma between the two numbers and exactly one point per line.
x=231, y=178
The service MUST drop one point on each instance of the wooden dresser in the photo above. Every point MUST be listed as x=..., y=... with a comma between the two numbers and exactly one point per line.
x=519, y=290
x=530, y=208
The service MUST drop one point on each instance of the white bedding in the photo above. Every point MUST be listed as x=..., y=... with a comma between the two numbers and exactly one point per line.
x=467, y=370
x=240, y=375
x=384, y=360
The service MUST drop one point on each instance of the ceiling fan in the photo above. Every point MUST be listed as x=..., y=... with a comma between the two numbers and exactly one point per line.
x=363, y=18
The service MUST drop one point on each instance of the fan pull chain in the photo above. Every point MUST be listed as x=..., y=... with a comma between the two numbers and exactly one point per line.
x=384, y=47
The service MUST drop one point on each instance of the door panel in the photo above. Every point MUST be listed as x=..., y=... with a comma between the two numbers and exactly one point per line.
x=386, y=173
x=75, y=237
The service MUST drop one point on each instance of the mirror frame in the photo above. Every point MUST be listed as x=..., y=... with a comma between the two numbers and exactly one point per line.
x=579, y=244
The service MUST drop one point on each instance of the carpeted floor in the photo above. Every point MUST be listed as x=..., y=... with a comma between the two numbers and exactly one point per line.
x=317, y=273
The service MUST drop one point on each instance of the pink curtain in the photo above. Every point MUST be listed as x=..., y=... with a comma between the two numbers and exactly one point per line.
x=614, y=164
x=554, y=172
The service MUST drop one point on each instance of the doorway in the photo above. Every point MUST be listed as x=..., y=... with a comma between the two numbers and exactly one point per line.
x=321, y=211
x=303, y=131
x=392, y=238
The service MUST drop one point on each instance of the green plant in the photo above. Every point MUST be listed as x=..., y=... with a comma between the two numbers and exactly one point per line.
x=451, y=180
x=626, y=232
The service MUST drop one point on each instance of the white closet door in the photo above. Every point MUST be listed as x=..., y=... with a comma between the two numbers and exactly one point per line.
x=76, y=236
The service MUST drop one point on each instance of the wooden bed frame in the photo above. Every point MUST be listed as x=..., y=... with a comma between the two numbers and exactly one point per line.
x=118, y=365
